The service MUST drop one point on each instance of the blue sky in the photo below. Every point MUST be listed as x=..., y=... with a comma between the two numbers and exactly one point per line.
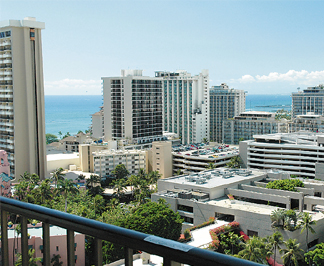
x=263, y=47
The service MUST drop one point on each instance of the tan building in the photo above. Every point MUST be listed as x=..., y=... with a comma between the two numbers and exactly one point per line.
x=162, y=158
x=22, y=116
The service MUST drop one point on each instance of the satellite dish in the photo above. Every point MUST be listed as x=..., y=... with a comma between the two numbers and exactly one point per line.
x=298, y=88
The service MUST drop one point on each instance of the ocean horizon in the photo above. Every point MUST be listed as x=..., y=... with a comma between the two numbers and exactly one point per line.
x=71, y=113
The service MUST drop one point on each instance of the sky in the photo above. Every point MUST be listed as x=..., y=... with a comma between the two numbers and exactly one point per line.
x=262, y=47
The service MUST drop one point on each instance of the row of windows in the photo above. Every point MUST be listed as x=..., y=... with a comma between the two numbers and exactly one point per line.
x=5, y=34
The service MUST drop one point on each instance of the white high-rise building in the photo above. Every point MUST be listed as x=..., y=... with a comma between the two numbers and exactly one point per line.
x=186, y=104
x=225, y=103
x=22, y=116
x=132, y=107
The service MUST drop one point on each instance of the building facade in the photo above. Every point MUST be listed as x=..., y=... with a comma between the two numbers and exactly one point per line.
x=132, y=107
x=186, y=104
x=105, y=161
x=22, y=115
x=161, y=158
x=98, y=124
x=247, y=124
x=309, y=122
x=308, y=100
x=300, y=153
x=225, y=103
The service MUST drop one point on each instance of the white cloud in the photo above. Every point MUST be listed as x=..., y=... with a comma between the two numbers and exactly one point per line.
x=293, y=76
x=246, y=78
x=73, y=87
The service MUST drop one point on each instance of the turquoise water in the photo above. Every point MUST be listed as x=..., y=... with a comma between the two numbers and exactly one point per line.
x=70, y=113
x=73, y=113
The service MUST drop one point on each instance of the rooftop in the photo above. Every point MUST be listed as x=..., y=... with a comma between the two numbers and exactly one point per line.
x=215, y=178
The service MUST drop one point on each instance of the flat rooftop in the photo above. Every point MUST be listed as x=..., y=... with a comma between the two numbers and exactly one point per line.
x=216, y=177
x=242, y=205
x=211, y=153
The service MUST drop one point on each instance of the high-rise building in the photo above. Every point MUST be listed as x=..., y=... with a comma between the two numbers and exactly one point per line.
x=186, y=104
x=309, y=100
x=247, y=124
x=132, y=107
x=22, y=116
x=225, y=103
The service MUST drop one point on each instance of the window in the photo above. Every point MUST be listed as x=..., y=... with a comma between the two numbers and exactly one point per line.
x=252, y=233
x=57, y=248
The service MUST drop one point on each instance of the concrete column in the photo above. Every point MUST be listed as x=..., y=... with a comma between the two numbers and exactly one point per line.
x=309, y=207
x=288, y=204
x=301, y=203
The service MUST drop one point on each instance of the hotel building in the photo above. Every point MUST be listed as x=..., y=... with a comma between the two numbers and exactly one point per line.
x=132, y=107
x=225, y=103
x=22, y=121
x=309, y=100
x=186, y=104
x=247, y=124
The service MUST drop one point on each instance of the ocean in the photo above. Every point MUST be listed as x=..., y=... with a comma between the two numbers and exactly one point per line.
x=73, y=113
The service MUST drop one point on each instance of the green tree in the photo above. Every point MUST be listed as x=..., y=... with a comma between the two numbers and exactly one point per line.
x=178, y=172
x=45, y=191
x=290, y=218
x=55, y=260
x=80, y=131
x=120, y=172
x=119, y=187
x=57, y=175
x=306, y=224
x=292, y=253
x=67, y=134
x=32, y=261
x=278, y=217
x=241, y=139
x=156, y=219
x=211, y=166
x=235, y=162
x=255, y=250
x=66, y=187
x=60, y=134
x=153, y=177
x=51, y=138
x=316, y=256
x=274, y=241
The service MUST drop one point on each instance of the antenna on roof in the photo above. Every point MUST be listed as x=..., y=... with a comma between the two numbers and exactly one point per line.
x=298, y=88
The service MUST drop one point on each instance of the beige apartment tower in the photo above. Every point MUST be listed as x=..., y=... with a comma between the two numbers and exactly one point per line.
x=22, y=116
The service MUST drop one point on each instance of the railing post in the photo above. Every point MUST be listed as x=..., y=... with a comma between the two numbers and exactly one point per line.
x=70, y=247
x=46, y=245
x=24, y=241
x=98, y=251
x=4, y=238
x=128, y=256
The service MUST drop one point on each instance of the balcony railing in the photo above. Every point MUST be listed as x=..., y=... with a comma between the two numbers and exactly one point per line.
x=173, y=252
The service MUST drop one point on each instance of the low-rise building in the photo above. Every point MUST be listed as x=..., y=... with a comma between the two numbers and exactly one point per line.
x=161, y=158
x=245, y=125
x=300, y=153
x=210, y=194
x=105, y=161
x=58, y=244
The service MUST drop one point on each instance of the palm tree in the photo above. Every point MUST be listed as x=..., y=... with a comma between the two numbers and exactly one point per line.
x=275, y=240
x=58, y=175
x=32, y=261
x=134, y=182
x=45, y=191
x=94, y=179
x=306, y=223
x=292, y=252
x=66, y=186
x=254, y=250
x=119, y=187
x=278, y=217
x=153, y=177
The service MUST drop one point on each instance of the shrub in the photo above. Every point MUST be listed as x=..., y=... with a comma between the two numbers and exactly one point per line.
x=285, y=184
